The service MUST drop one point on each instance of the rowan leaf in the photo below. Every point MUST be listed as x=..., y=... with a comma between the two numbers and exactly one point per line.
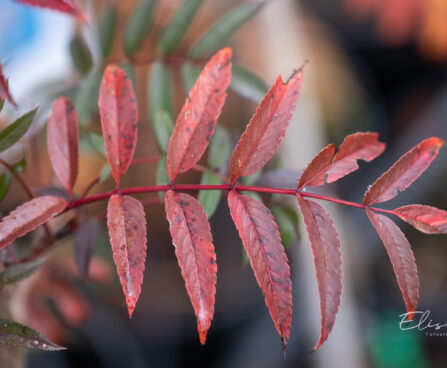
x=160, y=89
x=119, y=119
x=105, y=173
x=404, y=172
x=13, y=333
x=427, y=219
x=63, y=142
x=401, y=257
x=2, y=102
x=315, y=173
x=107, y=28
x=80, y=54
x=266, y=128
x=12, y=133
x=178, y=25
x=65, y=6
x=138, y=26
x=29, y=216
x=19, y=272
x=325, y=244
x=197, y=120
x=209, y=199
x=163, y=126
x=285, y=225
x=220, y=32
x=162, y=176
x=87, y=95
x=247, y=84
x=262, y=242
x=358, y=146
x=194, y=249
x=5, y=182
x=219, y=147
x=126, y=222
x=5, y=94
x=190, y=73
x=84, y=244
x=97, y=143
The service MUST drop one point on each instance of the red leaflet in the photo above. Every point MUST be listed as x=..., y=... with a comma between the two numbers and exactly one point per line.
x=63, y=142
x=262, y=241
x=325, y=243
x=401, y=256
x=266, y=128
x=64, y=6
x=29, y=216
x=119, y=119
x=5, y=95
x=404, y=172
x=126, y=222
x=194, y=250
x=429, y=220
x=315, y=172
x=357, y=146
x=197, y=120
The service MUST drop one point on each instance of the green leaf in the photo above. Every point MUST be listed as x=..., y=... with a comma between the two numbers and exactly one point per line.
x=254, y=195
x=20, y=166
x=190, y=73
x=2, y=103
x=13, y=333
x=130, y=72
x=247, y=84
x=16, y=130
x=105, y=173
x=209, y=199
x=162, y=176
x=219, y=147
x=5, y=181
x=251, y=179
x=179, y=24
x=163, y=127
x=19, y=272
x=160, y=90
x=107, y=28
x=97, y=142
x=139, y=26
x=86, y=100
x=80, y=54
x=221, y=31
x=285, y=224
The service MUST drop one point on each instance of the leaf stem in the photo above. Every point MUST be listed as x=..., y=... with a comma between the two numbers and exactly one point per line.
x=19, y=179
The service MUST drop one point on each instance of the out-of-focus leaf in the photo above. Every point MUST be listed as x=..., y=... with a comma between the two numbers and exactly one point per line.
x=107, y=28
x=209, y=199
x=20, y=166
x=97, y=142
x=29, y=216
x=87, y=95
x=190, y=73
x=2, y=103
x=13, y=333
x=80, y=54
x=160, y=90
x=178, y=25
x=163, y=127
x=221, y=31
x=5, y=94
x=162, y=176
x=84, y=244
x=130, y=71
x=219, y=147
x=196, y=122
x=64, y=6
x=279, y=178
x=138, y=26
x=266, y=128
x=253, y=195
x=105, y=173
x=5, y=181
x=16, y=130
x=247, y=84
x=251, y=179
x=286, y=227
x=19, y=272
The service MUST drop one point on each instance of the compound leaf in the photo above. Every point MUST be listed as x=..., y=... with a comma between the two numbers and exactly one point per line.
x=429, y=220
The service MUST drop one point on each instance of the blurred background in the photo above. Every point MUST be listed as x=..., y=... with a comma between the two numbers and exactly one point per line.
x=374, y=65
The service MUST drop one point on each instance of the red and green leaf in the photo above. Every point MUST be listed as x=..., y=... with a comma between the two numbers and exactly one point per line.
x=197, y=120
x=194, y=249
x=119, y=119
x=404, y=172
x=5, y=95
x=401, y=257
x=429, y=220
x=126, y=222
x=358, y=146
x=64, y=6
x=262, y=242
x=63, y=142
x=315, y=173
x=325, y=243
x=266, y=128
x=29, y=216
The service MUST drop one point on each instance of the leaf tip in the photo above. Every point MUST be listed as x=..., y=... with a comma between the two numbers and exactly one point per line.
x=203, y=328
